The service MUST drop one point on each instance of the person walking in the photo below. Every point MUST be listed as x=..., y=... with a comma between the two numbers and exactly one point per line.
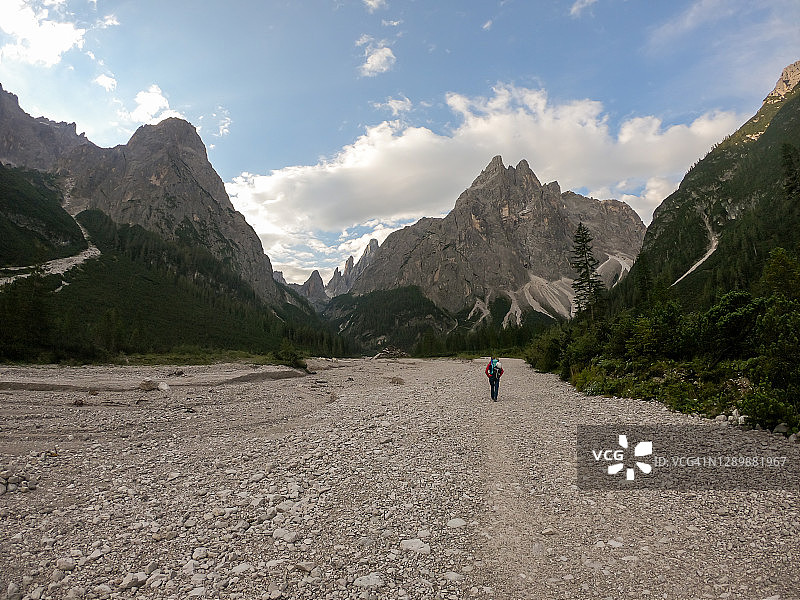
x=494, y=370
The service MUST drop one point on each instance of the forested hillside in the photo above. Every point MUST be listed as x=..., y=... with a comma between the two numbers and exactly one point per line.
x=146, y=295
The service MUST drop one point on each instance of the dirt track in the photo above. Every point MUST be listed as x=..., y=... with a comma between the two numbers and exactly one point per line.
x=368, y=479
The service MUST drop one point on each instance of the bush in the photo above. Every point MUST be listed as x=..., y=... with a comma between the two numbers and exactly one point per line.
x=769, y=407
x=544, y=352
x=289, y=355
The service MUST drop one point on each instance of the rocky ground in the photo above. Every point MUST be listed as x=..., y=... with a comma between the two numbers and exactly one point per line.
x=367, y=479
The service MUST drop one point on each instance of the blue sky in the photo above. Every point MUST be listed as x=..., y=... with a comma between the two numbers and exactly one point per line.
x=335, y=121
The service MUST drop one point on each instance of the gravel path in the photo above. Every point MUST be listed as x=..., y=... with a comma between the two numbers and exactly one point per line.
x=367, y=479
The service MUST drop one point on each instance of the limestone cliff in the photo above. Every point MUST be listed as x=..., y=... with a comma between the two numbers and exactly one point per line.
x=341, y=283
x=508, y=235
x=161, y=180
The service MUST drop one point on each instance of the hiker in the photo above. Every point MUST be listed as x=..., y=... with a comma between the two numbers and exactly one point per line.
x=494, y=370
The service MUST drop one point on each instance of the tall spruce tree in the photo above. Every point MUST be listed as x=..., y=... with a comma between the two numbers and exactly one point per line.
x=587, y=285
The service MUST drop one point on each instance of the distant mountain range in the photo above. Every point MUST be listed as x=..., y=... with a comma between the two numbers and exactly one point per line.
x=163, y=223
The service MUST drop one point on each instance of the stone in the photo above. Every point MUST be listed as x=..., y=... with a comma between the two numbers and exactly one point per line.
x=65, y=564
x=415, y=545
x=132, y=580
x=548, y=531
x=199, y=553
x=373, y=581
x=782, y=428
x=456, y=523
x=163, y=386
x=148, y=385
x=453, y=576
x=306, y=566
x=242, y=568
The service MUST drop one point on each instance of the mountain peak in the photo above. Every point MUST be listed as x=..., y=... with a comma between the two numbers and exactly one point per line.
x=789, y=78
x=167, y=132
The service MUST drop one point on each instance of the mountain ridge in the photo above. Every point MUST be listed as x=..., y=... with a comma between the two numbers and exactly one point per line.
x=507, y=235
x=160, y=179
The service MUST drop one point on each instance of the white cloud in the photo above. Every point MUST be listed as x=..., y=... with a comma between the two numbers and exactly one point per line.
x=396, y=172
x=108, y=21
x=387, y=23
x=378, y=57
x=37, y=38
x=151, y=107
x=373, y=5
x=396, y=105
x=487, y=26
x=106, y=82
x=579, y=6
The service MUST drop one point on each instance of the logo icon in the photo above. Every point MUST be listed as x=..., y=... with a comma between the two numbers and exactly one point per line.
x=642, y=449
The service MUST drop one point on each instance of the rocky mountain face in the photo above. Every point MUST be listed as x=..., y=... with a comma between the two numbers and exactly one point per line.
x=36, y=143
x=341, y=283
x=507, y=236
x=716, y=229
x=161, y=180
x=312, y=290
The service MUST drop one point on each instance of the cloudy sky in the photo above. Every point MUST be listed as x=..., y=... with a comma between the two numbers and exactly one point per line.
x=333, y=121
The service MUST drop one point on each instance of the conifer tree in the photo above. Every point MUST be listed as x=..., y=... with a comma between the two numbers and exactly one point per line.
x=587, y=285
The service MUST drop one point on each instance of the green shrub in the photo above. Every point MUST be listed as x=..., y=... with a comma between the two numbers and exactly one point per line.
x=769, y=407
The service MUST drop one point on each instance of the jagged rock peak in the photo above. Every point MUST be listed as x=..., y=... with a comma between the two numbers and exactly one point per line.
x=496, y=169
x=278, y=276
x=314, y=281
x=790, y=77
x=341, y=282
x=371, y=248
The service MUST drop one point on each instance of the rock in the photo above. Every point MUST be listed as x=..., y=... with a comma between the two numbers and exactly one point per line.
x=164, y=387
x=132, y=580
x=782, y=428
x=373, y=581
x=65, y=564
x=794, y=438
x=200, y=553
x=721, y=418
x=548, y=531
x=242, y=568
x=742, y=420
x=197, y=592
x=415, y=545
x=453, y=576
x=148, y=385
x=306, y=566
x=456, y=523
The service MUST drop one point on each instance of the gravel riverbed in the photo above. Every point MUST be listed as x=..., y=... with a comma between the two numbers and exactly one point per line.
x=366, y=479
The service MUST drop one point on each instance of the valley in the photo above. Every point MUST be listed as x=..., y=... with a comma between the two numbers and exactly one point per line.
x=365, y=479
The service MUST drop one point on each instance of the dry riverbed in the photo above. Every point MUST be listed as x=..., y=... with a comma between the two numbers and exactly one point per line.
x=367, y=479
